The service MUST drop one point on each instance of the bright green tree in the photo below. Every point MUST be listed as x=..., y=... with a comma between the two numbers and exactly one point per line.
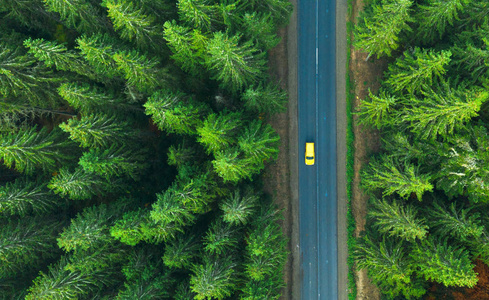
x=133, y=23
x=198, y=14
x=398, y=220
x=259, y=143
x=443, y=263
x=417, y=68
x=23, y=197
x=98, y=130
x=175, y=112
x=239, y=207
x=376, y=111
x=187, y=45
x=81, y=185
x=391, y=177
x=170, y=209
x=443, y=110
x=230, y=165
x=219, y=131
x=261, y=29
x=234, y=64
x=98, y=50
x=380, y=30
x=214, y=278
x=269, y=99
x=116, y=161
x=436, y=16
x=27, y=150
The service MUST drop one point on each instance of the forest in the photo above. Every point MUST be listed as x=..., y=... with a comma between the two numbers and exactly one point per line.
x=427, y=220
x=133, y=135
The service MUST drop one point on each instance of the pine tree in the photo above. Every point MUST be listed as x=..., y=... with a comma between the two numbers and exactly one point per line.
x=392, y=177
x=380, y=30
x=98, y=130
x=198, y=14
x=27, y=150
x=170, y=209
x=141, y=72
x=220, y=238
x=25, y=244
x=259, y=143
x=279, y=10
x=187, y=45
x=377, y=110
x=90, y=229
x=133, y=23
x=443, y=110
x=232, y=64
x=389, y=267
x=214, y=278
x=23, y=197
x=175, y=112
x=182, y=251
x=230, y=166
x=455, y=221
x=78, y=14
x=268, y=99
x=398, y=220
x=239, y=207
x=449, y=265
x=116, y=161
x=261, y=29
x=463, y=169
x=181, y=154
x=218, y=131
x=30, y=13
x=434, y=18
x=81, y=185
x=53, y=54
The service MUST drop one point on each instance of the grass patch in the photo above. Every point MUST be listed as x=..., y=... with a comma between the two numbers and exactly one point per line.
x=350, y=138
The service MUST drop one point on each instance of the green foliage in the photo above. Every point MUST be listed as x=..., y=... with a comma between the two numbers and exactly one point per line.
x=239, y=207
x=80, y=185
x=398, y=220
x=389, y=267
x=218, y=132
x=393, y=177
x=417, y=68
x=198, y=14
x=455, y=221
x=220, y=238
x=97, y=130
x=182, y=251
x=449, y=265
x=380, y=31
x=115, y=161
x=229, y=165
x=98, y=50
x=175, y=112
x=214, y=278
x=23, y=197
x=375, y=110
x=169, y=208
x=25, y=243
x=261, y=29
x=259, y=143
x=232, y=64
x=27, y=150
x=269, y=99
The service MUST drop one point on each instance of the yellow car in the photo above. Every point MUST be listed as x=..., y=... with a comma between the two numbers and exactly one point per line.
x=309, y=154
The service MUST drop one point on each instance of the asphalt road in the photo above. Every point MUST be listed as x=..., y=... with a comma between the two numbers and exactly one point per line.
x=318, y=242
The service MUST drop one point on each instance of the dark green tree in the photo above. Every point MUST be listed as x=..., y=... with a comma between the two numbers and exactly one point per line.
x=23, y=197
x=220, y=238
x=259, y=143
x=182, y=251
x=261, y=29
x=269, y=99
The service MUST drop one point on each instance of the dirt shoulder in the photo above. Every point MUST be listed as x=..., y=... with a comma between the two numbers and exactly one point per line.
x=365, y=75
